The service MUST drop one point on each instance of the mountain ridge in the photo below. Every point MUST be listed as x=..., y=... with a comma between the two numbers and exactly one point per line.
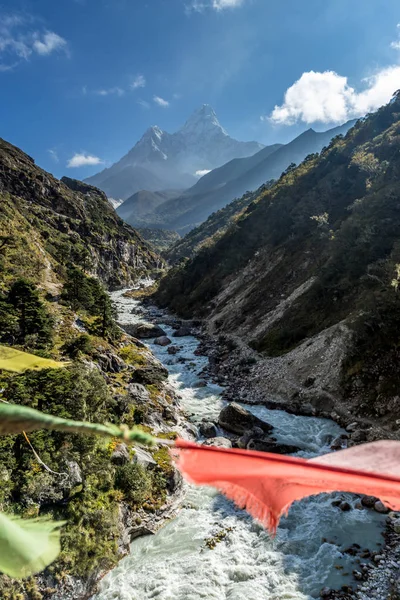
x=232, y=180
x=305, y=281
x=160, y=160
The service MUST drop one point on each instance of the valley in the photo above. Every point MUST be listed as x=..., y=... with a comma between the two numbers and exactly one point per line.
x=280, y=306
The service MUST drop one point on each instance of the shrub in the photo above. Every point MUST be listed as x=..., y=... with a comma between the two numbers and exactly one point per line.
x=134, y=481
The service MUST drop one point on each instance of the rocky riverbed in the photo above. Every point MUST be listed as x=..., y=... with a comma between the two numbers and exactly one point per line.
x=238, y=367
x=213, y=550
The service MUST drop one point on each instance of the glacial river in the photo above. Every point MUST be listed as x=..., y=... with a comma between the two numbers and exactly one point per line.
x=307, y=553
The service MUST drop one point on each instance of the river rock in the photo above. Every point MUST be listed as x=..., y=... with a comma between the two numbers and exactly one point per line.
x=368, y=501
x=254, y=433
x=200, y=384
x=325, y=592
x=218, y=442
x=208, y=429
x=345, y=506
x=270, y=445
x=396, y=526
x=236, y=419
x=380, y=508
x=139, y=531
x=183, y=332
x=340, y=443
x=358, y=436
x=173, y=350
x=162, y=341
x=144, y=331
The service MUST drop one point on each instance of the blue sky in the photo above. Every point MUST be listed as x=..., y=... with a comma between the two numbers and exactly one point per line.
x=81, y=80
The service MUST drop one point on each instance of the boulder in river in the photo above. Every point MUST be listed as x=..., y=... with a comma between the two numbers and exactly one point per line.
x=218, y=442
x=183, y=332
x=368, y=501
x=208, y=429
x=251, y=434
x=173, y=350
x=270, y=445
x=162, y=341
x=236, y=419
x=380, y=508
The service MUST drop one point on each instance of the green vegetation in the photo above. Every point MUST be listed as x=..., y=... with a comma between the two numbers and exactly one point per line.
x=60, y=242
x=84, y=293
x=160, y=239
x=24, y=319
x=207, y=234
x=331, y=225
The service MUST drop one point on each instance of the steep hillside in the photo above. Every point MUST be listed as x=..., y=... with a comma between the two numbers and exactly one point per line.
x=53, y=236
x=71, y=221
x=219, y=187
x=160, y=239
x=212, y=229
x=311, y=268
x=161, y=160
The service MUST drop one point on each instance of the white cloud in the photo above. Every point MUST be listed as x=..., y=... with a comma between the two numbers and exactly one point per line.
x=19, y=40
x=83, y=160
x=138, y=82
x=328, y=98
x=115, y=91
x=202, y=172
x=144, y=104
x=201, y=5
x=49, y=42
x=54, y=155
x=221, y=4
x=395, y=45
x=161, y=101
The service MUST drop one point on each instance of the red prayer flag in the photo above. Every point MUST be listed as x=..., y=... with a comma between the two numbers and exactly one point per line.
x=267, y=484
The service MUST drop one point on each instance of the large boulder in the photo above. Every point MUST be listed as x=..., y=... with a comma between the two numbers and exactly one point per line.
x=208, y=429
x=120, y=455
x=270, y=445
x=144, y=331
x=236, y=419
x=183, y=332
x=252, y=434
x=149, y=375
x=218, y=442
x=162, y=341
x=142, y=457
x=138, y=393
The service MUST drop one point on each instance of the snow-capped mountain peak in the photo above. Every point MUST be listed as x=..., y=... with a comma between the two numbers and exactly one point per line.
x=162, y=160
x=203, y=121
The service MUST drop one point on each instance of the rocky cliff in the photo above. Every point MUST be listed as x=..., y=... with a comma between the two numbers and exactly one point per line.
x=69, y=220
